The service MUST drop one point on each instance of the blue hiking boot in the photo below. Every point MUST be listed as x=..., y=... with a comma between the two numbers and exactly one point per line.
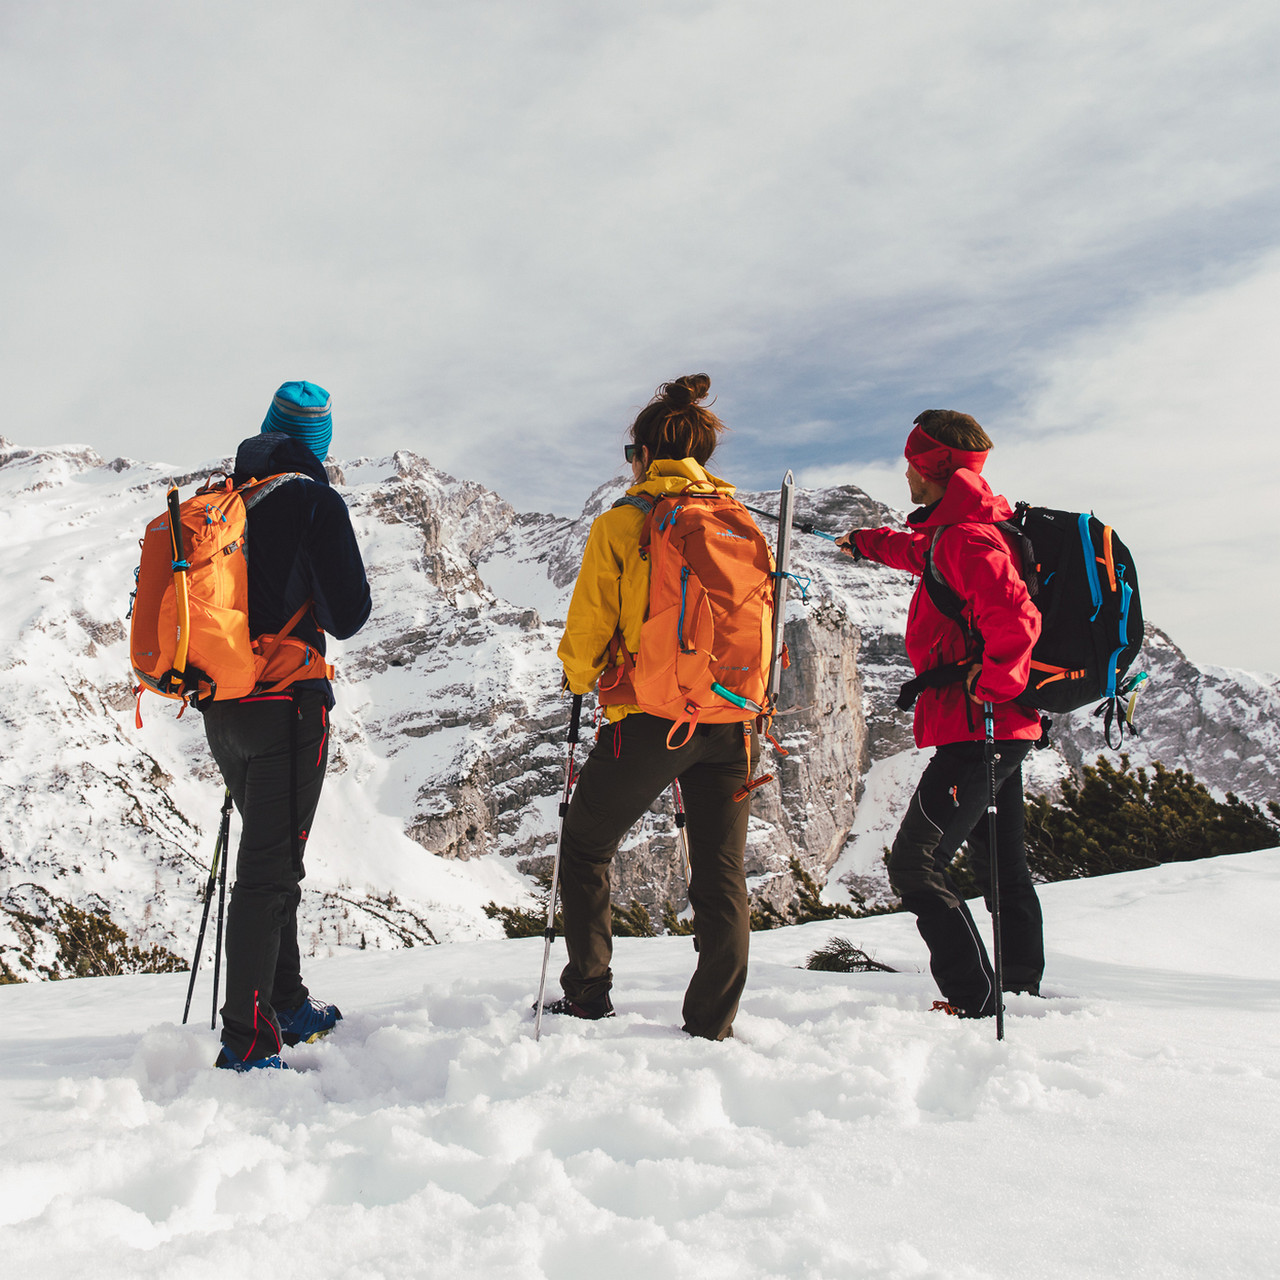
x=227, y=1061
x=308, y=1022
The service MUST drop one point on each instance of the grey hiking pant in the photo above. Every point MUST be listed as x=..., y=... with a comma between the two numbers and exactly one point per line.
x=627, y=770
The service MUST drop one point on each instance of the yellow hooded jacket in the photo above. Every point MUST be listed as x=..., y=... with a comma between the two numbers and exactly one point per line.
x=612, y=590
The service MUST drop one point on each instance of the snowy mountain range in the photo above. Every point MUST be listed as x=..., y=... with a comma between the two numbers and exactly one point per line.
x=448, y=740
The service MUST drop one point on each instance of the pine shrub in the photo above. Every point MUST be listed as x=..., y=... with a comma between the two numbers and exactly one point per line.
x=529, y=922
x=92, y=945
x=633, y=921
x=1122, y=819
x=839, y=955
x=804, y=908
x=671, y=922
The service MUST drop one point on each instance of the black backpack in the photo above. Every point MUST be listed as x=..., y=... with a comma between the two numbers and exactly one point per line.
x=1082, y=579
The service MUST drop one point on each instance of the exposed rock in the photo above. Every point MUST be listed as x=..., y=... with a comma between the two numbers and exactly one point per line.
x=447, y=746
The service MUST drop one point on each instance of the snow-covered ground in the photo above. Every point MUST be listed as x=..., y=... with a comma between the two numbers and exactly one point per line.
x=1125, y=1127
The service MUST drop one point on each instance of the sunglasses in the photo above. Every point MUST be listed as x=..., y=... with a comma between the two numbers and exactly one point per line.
x=631, y=451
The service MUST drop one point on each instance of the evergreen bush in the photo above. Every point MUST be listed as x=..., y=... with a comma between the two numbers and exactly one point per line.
x=804, y=908
x=1126, y=818
x=1123, y=819
x=92, y=945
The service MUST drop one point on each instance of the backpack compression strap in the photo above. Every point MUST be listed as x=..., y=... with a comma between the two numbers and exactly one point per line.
x=304, y=669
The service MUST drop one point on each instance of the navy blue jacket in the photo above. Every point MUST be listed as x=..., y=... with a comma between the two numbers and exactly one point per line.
x=301, y=546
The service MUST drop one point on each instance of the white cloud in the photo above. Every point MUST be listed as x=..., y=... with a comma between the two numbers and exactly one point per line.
x=491, y=229
x=1163, y=424
x=1166, y=425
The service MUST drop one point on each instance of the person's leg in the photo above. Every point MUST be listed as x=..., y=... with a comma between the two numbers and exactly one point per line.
x=717, y=831
x=311, y=757
x=948, y=800
x=628, y=768
x=1021, y=922
x=257, y=744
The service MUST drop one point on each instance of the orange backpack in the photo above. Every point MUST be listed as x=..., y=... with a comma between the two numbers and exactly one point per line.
x=189, y=638
x=707, y=642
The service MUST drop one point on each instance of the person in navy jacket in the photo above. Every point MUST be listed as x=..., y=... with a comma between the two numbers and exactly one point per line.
x=990, y=650
x=272, y=746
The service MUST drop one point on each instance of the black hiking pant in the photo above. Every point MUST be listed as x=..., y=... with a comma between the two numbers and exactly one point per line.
x=627, y=770
x=272, y=750
x=949, y=807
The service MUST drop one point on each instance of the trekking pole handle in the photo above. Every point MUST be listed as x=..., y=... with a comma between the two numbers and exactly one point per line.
x=803, y=527
x=575, y=717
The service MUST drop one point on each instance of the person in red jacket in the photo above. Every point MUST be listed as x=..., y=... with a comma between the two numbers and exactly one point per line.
x=983, y=657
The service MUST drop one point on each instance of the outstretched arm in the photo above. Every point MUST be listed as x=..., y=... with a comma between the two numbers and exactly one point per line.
x=892, y=547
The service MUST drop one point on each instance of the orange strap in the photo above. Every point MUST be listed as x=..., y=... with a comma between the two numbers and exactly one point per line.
x=279, y=638
x=1058, y=673
x=1109, y=552
x=325, y=671
x=619, y=670
x=691, y=724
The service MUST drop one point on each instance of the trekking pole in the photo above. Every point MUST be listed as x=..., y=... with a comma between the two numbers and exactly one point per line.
x=682, y=836
x=989, y=718
x=222, y=910
x=549, y=933
x=804, y=528
x=224, y=827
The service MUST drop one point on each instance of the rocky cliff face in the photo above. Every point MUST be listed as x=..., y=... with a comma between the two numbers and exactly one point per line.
x=448, y=743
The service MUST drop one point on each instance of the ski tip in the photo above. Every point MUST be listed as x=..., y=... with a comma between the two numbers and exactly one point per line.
x=789, y=480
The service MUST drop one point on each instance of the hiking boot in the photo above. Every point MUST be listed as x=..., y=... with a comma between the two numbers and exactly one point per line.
x=1032, y=990
x=941, y=1006
x=590, y=1009
x=308, y=1022
x=697, y=1035
x=227, y=1061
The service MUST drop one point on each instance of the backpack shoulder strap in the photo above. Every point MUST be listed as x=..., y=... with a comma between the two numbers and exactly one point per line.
x=947, y=601
x=639, y=500
x=1021, y=549
x=253, y=491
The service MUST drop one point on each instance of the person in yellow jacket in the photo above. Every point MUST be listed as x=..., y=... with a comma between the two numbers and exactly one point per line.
x=631, y=764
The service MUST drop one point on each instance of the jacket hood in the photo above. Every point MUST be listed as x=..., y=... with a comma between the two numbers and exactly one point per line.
x=671, y=475
x=272, y=452
x=968, y=500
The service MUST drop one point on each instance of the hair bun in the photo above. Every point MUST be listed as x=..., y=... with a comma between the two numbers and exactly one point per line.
x=690, y=389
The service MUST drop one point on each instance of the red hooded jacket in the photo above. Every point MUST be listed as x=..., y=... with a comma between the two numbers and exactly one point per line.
x=975, y=562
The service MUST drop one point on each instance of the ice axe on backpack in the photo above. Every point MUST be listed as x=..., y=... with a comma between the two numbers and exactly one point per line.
x=217, y=874
x=180, y=570
x=549, y=933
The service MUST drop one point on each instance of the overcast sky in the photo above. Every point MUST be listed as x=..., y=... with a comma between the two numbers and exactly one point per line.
x=491, y=228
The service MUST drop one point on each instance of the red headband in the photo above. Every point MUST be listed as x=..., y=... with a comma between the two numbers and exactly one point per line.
x=937, y=461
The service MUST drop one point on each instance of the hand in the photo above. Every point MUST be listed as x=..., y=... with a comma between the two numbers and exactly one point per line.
x=970, y=679
x=849, y=546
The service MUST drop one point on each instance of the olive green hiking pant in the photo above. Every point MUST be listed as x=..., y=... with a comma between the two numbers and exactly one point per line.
x=627, y=770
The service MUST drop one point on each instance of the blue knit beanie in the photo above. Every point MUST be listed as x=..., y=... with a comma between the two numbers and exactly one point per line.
x=301, y=410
